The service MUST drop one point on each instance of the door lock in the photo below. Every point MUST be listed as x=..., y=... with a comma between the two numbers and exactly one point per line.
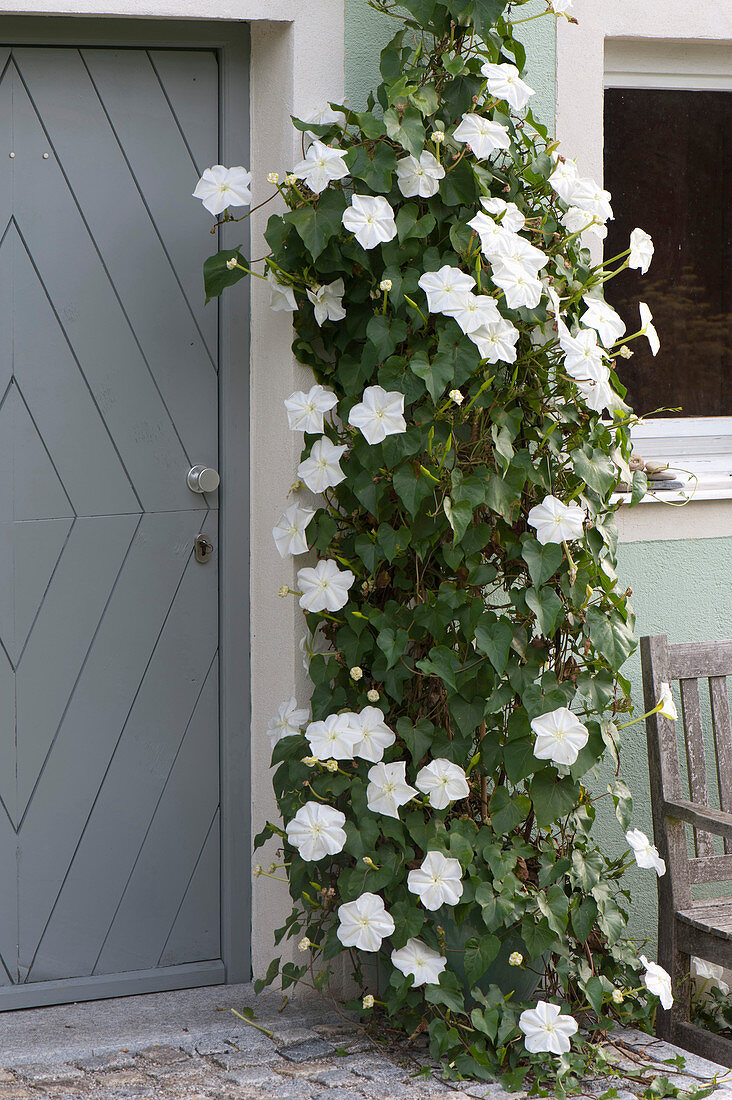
x=202, y=549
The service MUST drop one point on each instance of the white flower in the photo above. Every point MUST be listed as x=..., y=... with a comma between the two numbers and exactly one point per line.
x=507, y=214
x=445, y=288
x=438, y=136
x=555, y=521
x=580, y=351
x=496, y=341
x=590, y=197
x=281, y=295
x=475, y=311
x=603, y=318
x=561, y=7
x=515, y=958
x=312, y=644
x=232, y=263
x=305, y=410
x=288, y=721
x=321, y=165
x=374, y=732
x=321, y=470
x=419, y=960
x=335, y=738
x=324, y=588
x=564, y=179
x=487, y=229
x=657, y=981
x=647, y=328
x=641, y=251
x=511, y=246
x=304, y=944
x=273, y=177
x=444, y=782
x=456, y=397
x=220, y=187
x=520, y=286
x=419, y=177
x=646, y=854
x=667, y=705
x=327, y=301
x=372, y=695
x=317, y=831
x=370, y=219
x=559, y=736
x=385, y=284
x=482, y=135
x=364, y=923
x=378, y=414
x=618, y=996
x=707, y=976
x=596, y=390
x=368, y=1001
x=505, y=83
x=580, y=221
x=323, y=116
x=437, y=882
x=547, y=1029
x=388, y=789
x=289, y=531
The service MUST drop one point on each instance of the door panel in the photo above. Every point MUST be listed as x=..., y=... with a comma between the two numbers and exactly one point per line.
x=109, y=734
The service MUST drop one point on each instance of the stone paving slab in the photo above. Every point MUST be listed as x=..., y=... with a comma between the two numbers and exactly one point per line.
x=188, y=1045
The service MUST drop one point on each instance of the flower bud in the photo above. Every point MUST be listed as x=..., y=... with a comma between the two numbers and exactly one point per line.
x=310, y=761
x=304, y=944
x=368, y=1001
x=232, y=263
x=331, y=765
x=372, y=695
x=515, y=958
x=438, y=136
x=385, y=284
x=290, y=179
x=356, y=672
x=625, y=352
x=618, y=997
x=273, y=177
x=456, y=396
x=284, y=590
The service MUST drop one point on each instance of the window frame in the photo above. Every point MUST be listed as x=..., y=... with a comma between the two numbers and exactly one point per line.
x=656, y=45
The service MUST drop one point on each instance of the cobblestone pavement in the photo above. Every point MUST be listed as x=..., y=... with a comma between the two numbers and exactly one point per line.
x=188, y=1045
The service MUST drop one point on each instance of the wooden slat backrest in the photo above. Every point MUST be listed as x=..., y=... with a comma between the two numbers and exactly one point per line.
x=694, y=659
x=719, y=699
x=695, y=757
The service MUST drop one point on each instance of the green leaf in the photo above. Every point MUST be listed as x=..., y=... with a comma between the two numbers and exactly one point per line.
x=459, y=514
x=503, y=494
x=610, y=635
x=376, y=171
x=425, y=99
x=317, y=224
x=595, y=991
x=583, y=919
x=640, y=486
x=547, y=607
x=553, y=798
x=507, y=812
x=459, y=187
x=623, y=802
x=409, y=224
x=392, y=542
x=494, y=639
x=417, y=738
x=369, y=125
x=442, y=662
x=543, y=561
x=436, y=374
x=411, y=486
x=595, y=468
x=519, y=760
x=447, y=993
x=216, y=275
x=480, y=952
x=272, y=971
x=537, y=935
x=407, y=130
x=392, y=644
x=385, y=333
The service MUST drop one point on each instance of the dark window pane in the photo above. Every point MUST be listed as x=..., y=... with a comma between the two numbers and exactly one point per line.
x=668, y=167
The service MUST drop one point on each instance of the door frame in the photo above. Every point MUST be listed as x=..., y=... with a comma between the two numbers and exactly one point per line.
x=231, y=42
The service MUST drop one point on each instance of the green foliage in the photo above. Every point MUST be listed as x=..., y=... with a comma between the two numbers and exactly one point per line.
x=466, y=627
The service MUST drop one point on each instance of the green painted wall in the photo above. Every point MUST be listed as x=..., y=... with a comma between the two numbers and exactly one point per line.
x=367, y=32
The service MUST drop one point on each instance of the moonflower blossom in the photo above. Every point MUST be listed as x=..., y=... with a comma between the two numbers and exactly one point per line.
x=219, y=188
x=496, y=341
x=559, y=736
x=364, y=923
x=370, y=219
x=505, y=83
x=561, y=7
x=289, y=531
x=324, y=588
x=520, y=286
x=555, y=521
x=580, y=351
x=324, y=116
x=608, y=324
x=589, y=196
x=334, y=738
x=321, y=470
x=312, y=645
x=564, y=179
x=707, y=976
x=641, y=251
x=444, y=783
x=281, y=295
x=482, y=135
x=288, y=721
x=445, y=288
x=317, y=831
x=647, y=328
x=379, y=413
x=645, y=854
x=580, y=221
x=657, y=981
x=327, y=301
x=547, y=1029
x=321, y=165
x=506, y=213
x=388, y=789
x=488, y=229
x=511, y=246
x=667, y=704
x=419, y=960
x=474, y=311
x=437, y=882
x=374, y=733
x=305, y=410
x=419, y=177
x=596, y=390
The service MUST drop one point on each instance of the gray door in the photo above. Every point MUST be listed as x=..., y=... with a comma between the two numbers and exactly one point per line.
x=109, y=734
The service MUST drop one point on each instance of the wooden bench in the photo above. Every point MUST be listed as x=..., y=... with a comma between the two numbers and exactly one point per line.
x=689, y=927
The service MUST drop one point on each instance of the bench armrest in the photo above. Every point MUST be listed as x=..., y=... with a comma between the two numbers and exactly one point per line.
x=701, y=817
